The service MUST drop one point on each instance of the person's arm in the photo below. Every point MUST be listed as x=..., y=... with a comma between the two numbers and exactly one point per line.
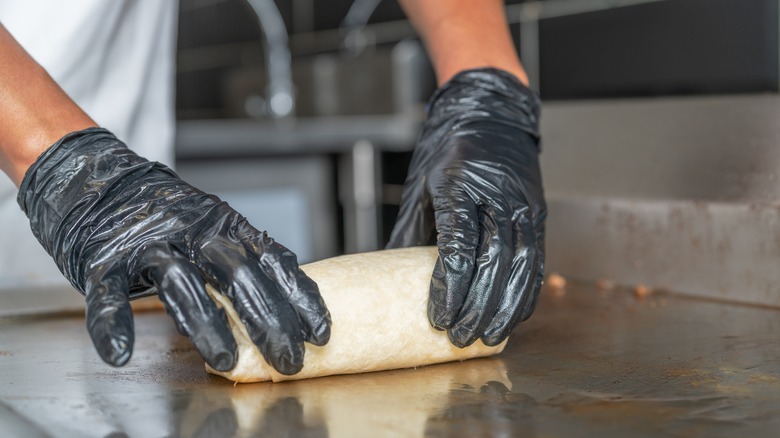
x=34, y=111
x=474, y=184
x=463, y=35
x=120, y=227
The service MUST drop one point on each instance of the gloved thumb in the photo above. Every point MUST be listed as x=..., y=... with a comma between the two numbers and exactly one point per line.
x=415, y=225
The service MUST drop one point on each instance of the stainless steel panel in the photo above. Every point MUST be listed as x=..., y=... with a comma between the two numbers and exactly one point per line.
x=712, y=250
x=721, y=148
x=679, y=193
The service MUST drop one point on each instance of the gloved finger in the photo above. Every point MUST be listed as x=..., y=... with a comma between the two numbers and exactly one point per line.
x=270, y=321
x=301, y=292
x=530, y=305
x=414, y=225
x=180, y=287
x=494, y=259
x=109, y=317
x=456, y=223
x=281, y=265
x=523, y=287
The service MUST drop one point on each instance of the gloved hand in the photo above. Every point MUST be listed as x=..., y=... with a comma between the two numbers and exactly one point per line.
x=474, y=179
x=120, y=227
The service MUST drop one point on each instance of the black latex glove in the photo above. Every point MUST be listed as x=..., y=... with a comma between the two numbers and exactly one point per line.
x=474, y=179
x=120, y=227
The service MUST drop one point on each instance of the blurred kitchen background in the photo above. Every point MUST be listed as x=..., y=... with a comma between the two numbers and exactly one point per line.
x=661, y=140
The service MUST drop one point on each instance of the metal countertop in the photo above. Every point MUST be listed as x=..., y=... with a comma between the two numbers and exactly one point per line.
x=589, y=363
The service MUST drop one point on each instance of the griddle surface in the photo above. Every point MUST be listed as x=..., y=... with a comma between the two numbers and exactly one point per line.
x=589, y=363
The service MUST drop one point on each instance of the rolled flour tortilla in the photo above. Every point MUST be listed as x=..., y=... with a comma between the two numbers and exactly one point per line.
x=378, y=304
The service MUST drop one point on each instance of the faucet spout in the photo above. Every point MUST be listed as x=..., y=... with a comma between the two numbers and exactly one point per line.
x=280, y=90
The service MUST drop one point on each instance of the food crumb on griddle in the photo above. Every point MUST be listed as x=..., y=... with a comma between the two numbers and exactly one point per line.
x=641, y=291
x=556, y=284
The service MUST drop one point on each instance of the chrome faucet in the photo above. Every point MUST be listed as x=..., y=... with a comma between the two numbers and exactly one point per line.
x=280, y=90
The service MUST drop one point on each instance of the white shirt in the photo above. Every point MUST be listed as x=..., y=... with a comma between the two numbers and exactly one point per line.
x=115, y=58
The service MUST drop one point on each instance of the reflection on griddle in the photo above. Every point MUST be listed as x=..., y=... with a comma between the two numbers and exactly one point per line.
x=407, y=402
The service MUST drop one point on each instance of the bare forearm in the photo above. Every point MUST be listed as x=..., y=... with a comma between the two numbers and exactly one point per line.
x=464, y=34
x=34, y=111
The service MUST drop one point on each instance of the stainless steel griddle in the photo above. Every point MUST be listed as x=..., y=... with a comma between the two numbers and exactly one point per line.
x=589, y=363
